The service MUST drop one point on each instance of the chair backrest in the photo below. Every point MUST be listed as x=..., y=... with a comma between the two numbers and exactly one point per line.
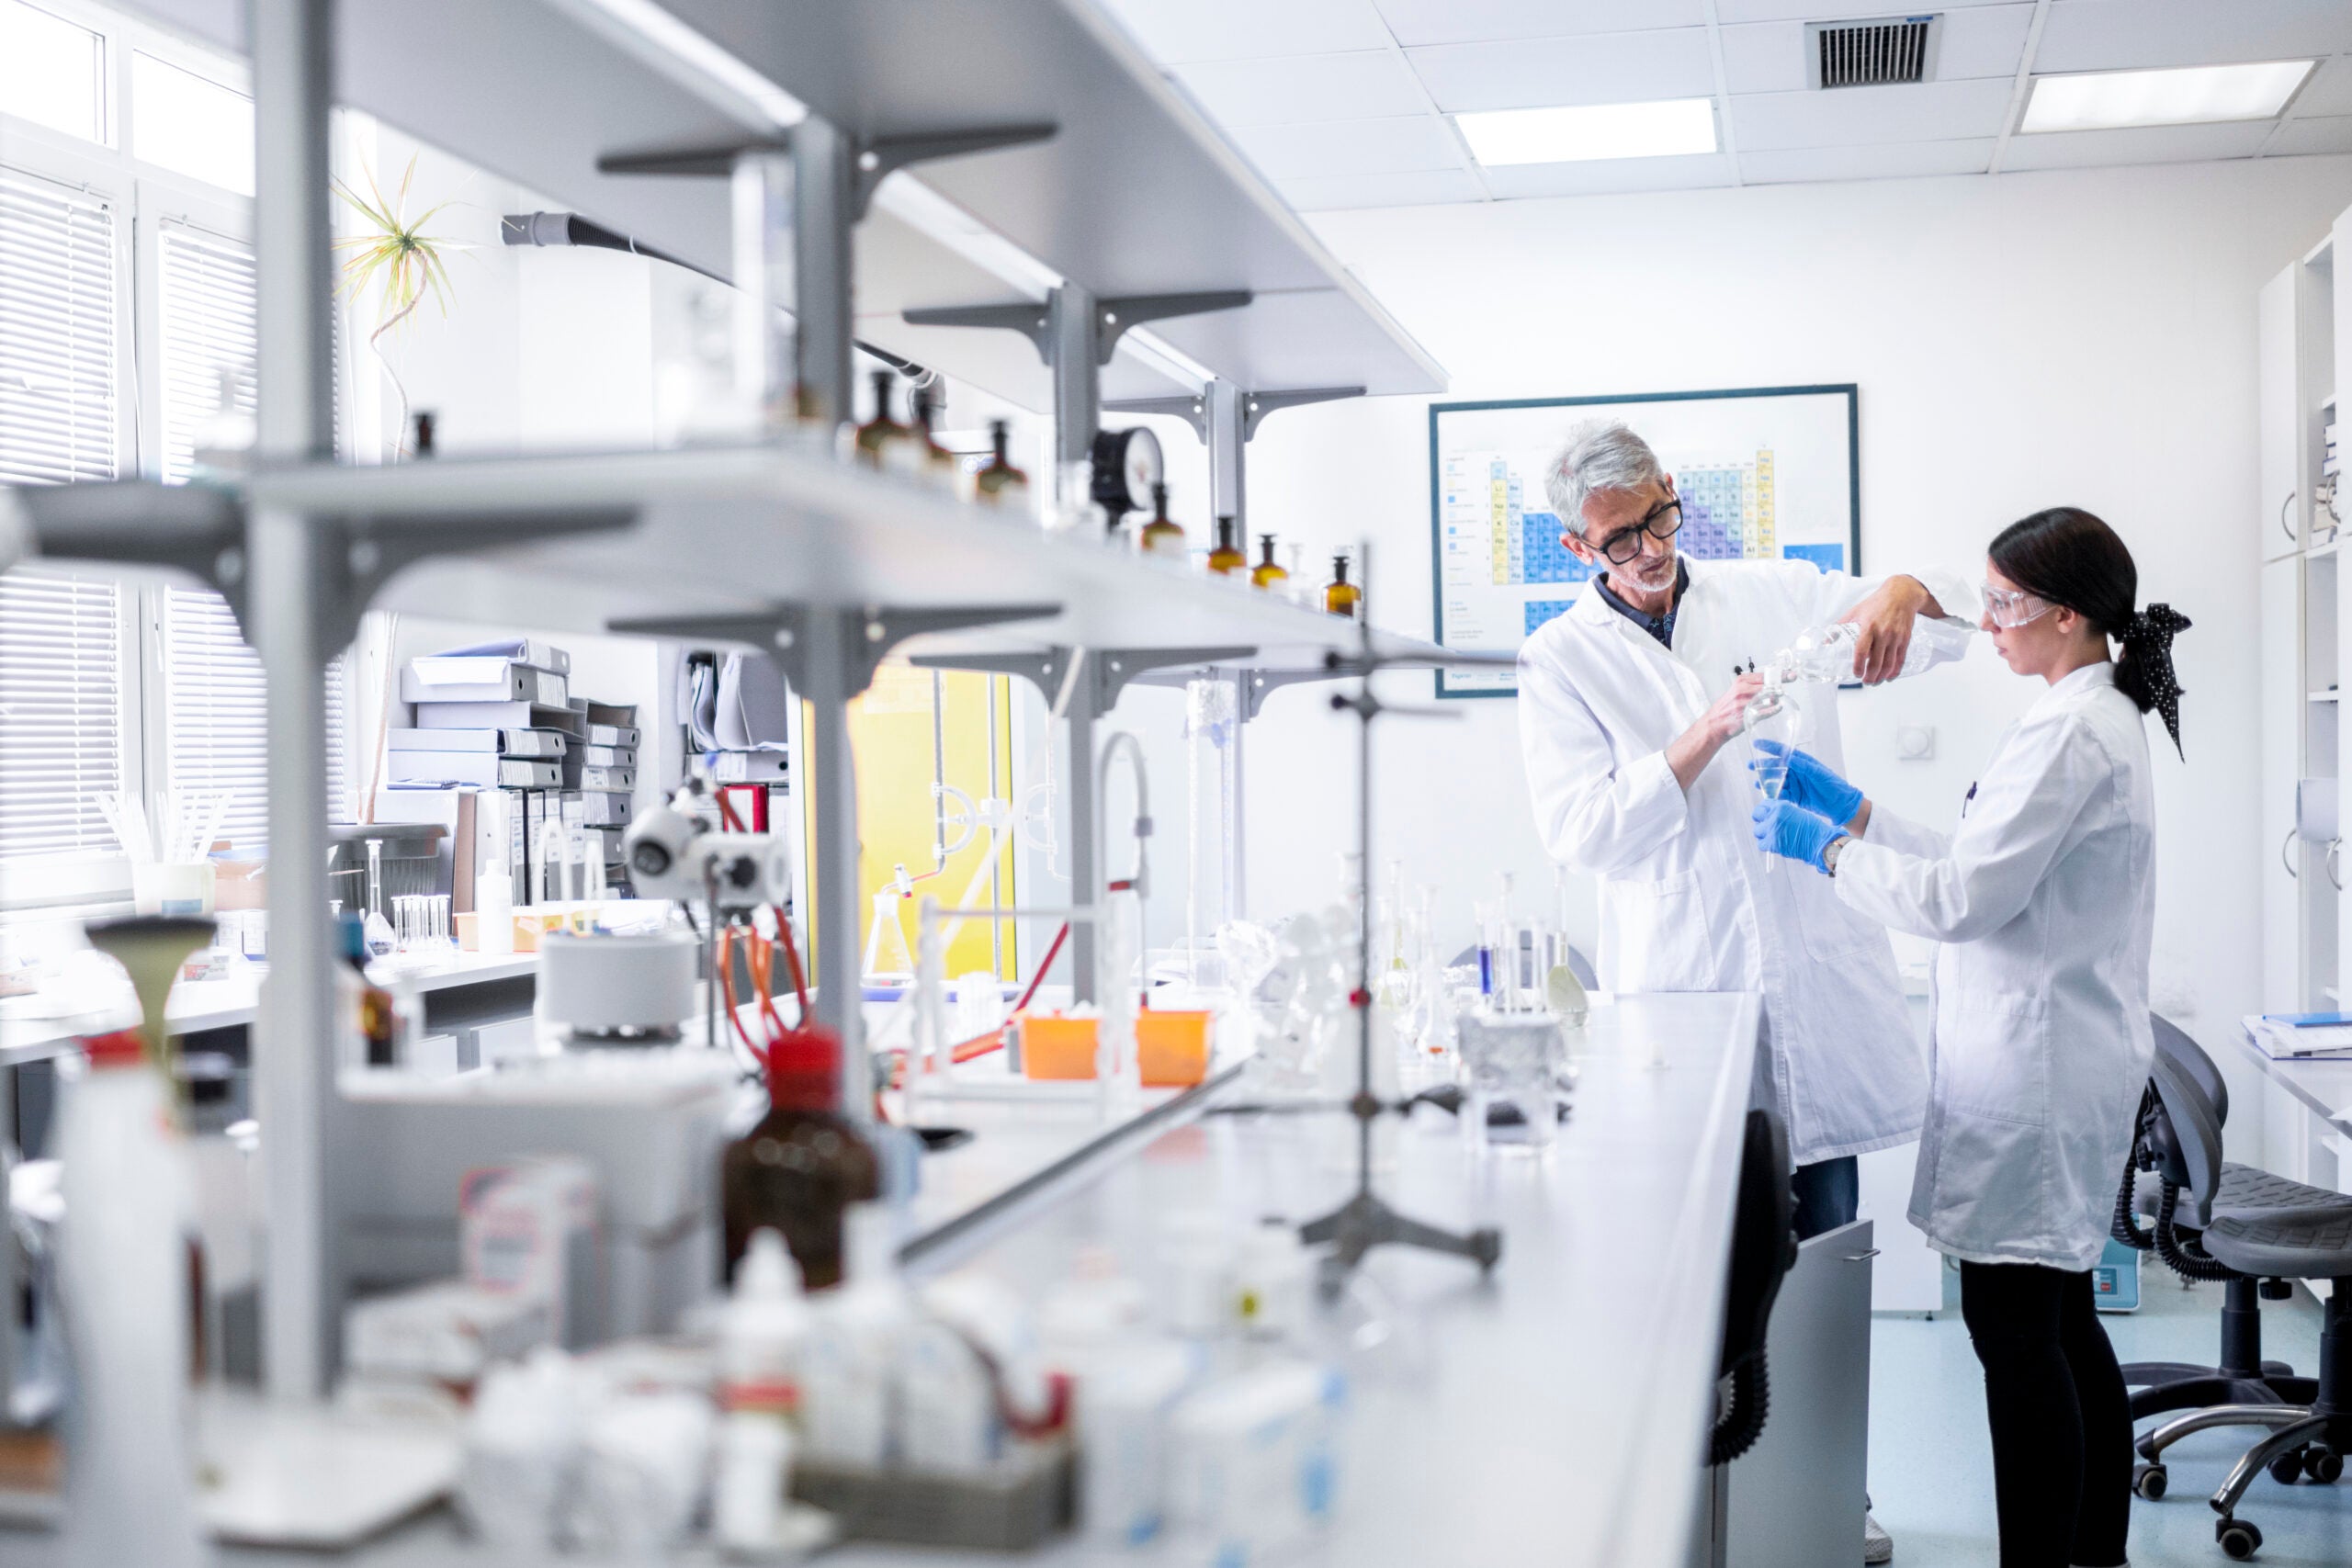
x=2189, y=1059
x=2187, y=1140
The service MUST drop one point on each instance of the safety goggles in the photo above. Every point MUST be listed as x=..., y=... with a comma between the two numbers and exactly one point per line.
x=1661, y=521
x=2009, y=607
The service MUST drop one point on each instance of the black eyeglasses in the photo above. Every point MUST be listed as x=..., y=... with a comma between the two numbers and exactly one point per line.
x=1661, y=521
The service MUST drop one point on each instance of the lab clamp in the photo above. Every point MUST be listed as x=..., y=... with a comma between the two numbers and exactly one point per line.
x=673, y=852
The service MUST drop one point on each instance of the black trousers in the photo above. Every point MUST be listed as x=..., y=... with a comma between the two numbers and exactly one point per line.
x=2062, y=1421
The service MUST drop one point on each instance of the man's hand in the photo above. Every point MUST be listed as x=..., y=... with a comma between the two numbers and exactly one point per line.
x=1688, y=753
x=1886, y=618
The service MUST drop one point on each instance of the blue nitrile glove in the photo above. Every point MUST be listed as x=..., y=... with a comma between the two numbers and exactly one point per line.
x=1813, y=784
x=1791, y=830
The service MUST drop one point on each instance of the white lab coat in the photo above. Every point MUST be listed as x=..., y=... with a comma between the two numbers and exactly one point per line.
x=1685, y=902
x=2044, y=899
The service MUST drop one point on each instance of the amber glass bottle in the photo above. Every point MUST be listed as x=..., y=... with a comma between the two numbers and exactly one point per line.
x=802, y=1166
x=1269, y=573
x=1160, y=537
x=935, y=457
x=1226, y=558
x=1341, y=597
x=878, y=435
x=1000, y=481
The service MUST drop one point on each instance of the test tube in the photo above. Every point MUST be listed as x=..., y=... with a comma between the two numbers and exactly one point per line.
x=1485, y=916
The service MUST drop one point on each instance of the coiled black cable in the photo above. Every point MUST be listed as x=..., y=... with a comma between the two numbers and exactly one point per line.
x=2125, y=1226
x=1743, y=1419
x=2186, y=1260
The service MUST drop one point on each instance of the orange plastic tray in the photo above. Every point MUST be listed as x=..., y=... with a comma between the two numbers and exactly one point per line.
x=1172, y=1048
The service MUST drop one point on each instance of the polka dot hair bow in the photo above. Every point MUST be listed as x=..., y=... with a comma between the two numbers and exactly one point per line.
x=2150, y=638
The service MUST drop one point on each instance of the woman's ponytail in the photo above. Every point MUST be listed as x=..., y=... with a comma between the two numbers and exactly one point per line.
x=2144, y=671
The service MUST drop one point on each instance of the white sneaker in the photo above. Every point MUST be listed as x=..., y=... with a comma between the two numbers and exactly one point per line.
x=1877, y=1545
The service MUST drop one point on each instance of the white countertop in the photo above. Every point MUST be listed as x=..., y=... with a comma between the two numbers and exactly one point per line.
x=42, y=1024
x=1564, y=1402
x=2326, y=1087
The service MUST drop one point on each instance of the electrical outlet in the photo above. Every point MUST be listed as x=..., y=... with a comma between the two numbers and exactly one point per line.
x=1915, y=742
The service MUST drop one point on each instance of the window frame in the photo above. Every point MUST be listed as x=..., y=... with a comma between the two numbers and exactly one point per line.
x=143, y=196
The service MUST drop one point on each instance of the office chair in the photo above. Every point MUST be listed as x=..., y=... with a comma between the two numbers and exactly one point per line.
x=2311, y=1435
x=2243, y=1377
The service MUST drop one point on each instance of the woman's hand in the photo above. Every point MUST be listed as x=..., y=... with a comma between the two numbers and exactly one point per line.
x=1813, y=783
x=1792, y=831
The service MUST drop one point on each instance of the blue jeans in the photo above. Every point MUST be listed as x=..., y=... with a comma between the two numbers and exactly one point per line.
x=1829, y=1193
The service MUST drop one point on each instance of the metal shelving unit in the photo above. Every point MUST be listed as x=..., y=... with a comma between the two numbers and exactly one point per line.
x=1132, y=199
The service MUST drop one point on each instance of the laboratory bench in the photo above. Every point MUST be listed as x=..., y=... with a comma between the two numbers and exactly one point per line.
x=1565, y=1400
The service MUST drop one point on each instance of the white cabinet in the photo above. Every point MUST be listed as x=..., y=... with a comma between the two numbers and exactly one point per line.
x=2284, y=701
x=2281, y=409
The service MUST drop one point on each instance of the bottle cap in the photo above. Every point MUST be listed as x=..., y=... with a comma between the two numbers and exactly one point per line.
x=769, y=1271
x=122, y=1048
x=804, y=1070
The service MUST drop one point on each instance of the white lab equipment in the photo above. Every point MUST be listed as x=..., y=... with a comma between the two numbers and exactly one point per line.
x=856, y=1333
x=122, y=1272
x=1123, y=1408
x=1253, y=1462
x=522, y=1451
x=1511, y=1066
x=643, y=1460
x=1196, y=1274
x=615, y=988
x=1273, y=1275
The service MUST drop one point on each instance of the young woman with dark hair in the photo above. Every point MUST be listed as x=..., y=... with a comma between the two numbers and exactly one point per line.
x=2044, y=898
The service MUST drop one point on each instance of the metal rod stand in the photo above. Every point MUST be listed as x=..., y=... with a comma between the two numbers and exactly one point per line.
x=1365, y=1221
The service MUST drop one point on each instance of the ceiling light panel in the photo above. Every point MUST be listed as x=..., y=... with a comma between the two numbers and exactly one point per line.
x=1579, y=134
x=2189, y=95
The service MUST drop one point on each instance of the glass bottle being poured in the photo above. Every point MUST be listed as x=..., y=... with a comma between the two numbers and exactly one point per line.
x=1821, y=655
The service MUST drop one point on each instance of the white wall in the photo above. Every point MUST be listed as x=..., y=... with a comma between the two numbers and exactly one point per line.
x=2083, y=338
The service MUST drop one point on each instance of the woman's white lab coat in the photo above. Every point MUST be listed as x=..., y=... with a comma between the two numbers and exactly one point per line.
x=1686, y=904
x=2044, y=898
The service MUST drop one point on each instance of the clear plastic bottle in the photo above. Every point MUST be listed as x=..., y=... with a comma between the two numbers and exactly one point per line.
x=759, y=1343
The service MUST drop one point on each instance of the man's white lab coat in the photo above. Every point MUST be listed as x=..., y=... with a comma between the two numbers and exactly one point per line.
x=1686, y=904
x=2044, y=900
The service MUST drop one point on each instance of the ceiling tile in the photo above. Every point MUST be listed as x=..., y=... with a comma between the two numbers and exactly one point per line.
x=1986, y=40
x=1730, y=11
x=1605, y=176
x=1351, y=147
x=1180, y=31
x=2113, y=35
x=1891, y=160
x=1605, y=68
x=2139, y=145
x=1471, y=21
x=1299, y=88
x=2328, y=133
x=1420, y=187
x=2329, y=90
x=1926, y=111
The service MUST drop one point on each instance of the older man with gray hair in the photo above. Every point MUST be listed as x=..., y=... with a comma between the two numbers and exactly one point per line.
x=1627, y=702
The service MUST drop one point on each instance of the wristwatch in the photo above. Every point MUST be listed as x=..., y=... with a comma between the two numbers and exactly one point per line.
x=1832, y=850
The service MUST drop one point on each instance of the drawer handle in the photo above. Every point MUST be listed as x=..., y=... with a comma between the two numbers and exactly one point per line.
x=1862, y=1256
x=2289, y=527
x=2287, y=860
x=2333, y=845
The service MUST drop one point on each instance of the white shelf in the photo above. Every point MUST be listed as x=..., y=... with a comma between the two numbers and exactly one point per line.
x=1136, y=195
x=739, y=530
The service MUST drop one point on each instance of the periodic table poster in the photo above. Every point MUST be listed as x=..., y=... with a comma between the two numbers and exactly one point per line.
x=1764, y=473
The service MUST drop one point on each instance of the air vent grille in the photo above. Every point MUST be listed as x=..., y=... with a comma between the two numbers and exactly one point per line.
x=1875, y=53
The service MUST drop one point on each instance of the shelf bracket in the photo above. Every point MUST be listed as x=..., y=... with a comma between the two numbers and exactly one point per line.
x=1075, y=334
x=830, y=653
x=1103, y=674
x=799, y=194
x=191, y=528
x=1227, y=418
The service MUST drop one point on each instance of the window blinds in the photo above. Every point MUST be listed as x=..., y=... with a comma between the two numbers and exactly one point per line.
x=60, y=640
x=206, y=288
x=215, y=715
x=61, y=712
x=57, y=333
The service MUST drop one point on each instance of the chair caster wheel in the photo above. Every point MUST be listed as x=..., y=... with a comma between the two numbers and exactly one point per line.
x=2239, y=1538
x=2323, y=1464
x=2288, y=1468
x=2148, y=1481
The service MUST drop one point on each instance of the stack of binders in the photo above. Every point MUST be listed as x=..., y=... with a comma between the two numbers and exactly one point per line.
x=497, y=715
x=600, y=775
